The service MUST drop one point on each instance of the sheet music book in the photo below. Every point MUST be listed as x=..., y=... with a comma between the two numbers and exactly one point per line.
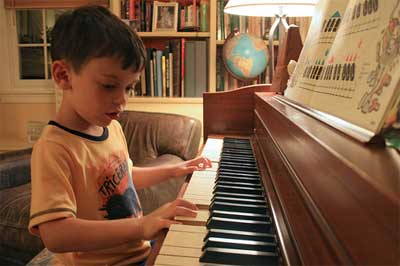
x=349, y=67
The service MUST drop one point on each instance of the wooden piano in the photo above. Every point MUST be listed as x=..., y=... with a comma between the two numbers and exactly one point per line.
x=330, y=200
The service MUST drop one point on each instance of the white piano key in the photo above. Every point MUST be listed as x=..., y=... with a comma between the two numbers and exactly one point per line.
x=200, y=219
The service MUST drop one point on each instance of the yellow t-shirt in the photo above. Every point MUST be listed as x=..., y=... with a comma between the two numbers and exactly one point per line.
x=78, y=175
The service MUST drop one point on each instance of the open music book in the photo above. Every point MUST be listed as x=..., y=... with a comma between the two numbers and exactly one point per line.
x=349, y=69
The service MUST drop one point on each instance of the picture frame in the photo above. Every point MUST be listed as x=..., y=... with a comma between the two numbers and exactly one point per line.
x=165, y=16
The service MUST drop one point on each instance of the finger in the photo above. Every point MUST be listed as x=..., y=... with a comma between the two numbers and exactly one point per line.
x=182, y=211
x=167, y=223
x=185, y=203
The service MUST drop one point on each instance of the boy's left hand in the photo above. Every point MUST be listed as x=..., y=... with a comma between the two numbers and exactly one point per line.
x=187, y=167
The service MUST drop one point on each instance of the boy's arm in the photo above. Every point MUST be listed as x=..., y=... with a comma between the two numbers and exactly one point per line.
x=148, y=176
x=74, y=234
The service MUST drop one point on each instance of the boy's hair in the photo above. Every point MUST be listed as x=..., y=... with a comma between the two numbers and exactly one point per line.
x=92, y=32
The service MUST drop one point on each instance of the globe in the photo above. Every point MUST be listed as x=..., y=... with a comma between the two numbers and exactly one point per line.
x=245, y=56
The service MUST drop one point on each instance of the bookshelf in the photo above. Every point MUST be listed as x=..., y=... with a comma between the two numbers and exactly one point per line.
x=214, y=39
x=158, y=39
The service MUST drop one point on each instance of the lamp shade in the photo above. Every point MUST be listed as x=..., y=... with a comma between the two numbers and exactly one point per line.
x=270, y=8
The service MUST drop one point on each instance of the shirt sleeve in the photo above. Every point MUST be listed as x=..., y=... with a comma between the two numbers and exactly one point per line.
x=52, y=192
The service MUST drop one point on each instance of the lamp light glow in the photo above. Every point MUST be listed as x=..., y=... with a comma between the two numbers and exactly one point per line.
x=271, y=8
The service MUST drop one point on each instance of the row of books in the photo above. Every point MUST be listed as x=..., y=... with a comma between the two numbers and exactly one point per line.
x=193, y=15
x=177, y=70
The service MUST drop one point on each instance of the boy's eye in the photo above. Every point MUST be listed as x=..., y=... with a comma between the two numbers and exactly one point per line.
x=108, y=86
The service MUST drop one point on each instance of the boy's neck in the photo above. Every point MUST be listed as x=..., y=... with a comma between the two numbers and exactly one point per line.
x=70, y=119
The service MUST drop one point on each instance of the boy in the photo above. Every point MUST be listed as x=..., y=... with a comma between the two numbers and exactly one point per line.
x=84, y=203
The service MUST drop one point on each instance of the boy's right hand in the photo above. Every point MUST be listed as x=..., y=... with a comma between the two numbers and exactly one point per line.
x=162, y=218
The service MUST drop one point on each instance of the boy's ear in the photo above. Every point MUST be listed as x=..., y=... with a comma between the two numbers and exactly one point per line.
x=61, y=74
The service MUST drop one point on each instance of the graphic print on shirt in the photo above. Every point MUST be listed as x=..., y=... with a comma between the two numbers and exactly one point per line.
x=117, y=192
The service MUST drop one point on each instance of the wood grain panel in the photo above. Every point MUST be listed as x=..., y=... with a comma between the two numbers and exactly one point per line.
x=230, y=112
x=351, y=212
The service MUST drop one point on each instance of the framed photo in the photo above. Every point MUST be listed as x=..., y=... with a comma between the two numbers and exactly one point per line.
x=165, y=16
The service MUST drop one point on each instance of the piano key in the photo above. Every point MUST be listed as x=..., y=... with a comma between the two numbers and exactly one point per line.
x=239, y=257
x=246, y=235
x=238, y=173
x=237, y=189
x=200, y=219
x=222, y=206
x=244, y=157
x=204, y=175
x=220, y=242
x=239, y=195
x=235, y=179
x=238, y=224
x=176, y=261
x=188, y=228
x=238, y=216
x=237, y=151
x=173, y=248
x=212, y=149
x=184, y=239
x=238, y=200
x=234, y=183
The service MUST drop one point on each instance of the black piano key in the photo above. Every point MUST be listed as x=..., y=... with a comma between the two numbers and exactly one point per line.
x=227, y=162
x=220, y=242
x=227, y=155
x=237, y=173
x=237, y=189
x=242, y=168
x=237, y=151
x=237, y=179
x=240, y=215
x=234, y=207
x=244, y=201
x=235, y=183
x=236, y=140
x=240, y=230
x=245, y=235
x=239, y=225
x=238, y=195
x=239, y=257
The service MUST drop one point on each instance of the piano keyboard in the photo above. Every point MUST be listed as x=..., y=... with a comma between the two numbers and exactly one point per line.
x=233, y=225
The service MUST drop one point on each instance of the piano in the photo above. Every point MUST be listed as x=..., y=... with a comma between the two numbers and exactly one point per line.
x=322, y=197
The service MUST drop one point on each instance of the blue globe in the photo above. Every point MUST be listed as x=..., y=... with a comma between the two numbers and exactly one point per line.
x=245, y=56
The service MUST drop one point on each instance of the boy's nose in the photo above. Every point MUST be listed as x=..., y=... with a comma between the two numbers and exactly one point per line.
x=120, y=98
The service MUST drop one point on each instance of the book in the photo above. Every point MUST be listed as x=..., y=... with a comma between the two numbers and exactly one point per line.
x=349, y=69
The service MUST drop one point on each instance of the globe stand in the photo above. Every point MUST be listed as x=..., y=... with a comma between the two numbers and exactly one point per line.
x=282, y=26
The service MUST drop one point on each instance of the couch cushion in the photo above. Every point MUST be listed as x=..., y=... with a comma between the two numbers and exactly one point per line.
x=14, y=219
x=15, y=168
x=153, y=197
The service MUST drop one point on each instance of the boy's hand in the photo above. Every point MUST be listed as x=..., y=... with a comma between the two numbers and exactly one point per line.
x=187, y=167
x=162, y=218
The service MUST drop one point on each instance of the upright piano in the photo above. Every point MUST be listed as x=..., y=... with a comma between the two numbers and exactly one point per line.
x=329, y=199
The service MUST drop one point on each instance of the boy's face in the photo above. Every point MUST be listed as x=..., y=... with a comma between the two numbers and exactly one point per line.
x=98, y=93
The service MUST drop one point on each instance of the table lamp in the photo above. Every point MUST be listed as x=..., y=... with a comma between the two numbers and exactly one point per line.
x=279, y=9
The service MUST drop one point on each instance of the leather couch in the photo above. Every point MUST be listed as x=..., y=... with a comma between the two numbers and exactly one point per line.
x=152, y=138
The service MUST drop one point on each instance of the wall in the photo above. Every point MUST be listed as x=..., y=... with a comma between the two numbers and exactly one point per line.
x=16, y=110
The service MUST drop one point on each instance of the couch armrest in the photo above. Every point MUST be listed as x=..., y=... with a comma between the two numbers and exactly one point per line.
x=15, y=168
x=150, y=135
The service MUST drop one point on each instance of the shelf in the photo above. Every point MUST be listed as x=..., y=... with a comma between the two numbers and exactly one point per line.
x=171, y=34
x=8, y=144
x=170, y=100
x=221, y=42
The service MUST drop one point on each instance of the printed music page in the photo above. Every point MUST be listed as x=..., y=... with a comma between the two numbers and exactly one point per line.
x=357, y=77
x=321, y=34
